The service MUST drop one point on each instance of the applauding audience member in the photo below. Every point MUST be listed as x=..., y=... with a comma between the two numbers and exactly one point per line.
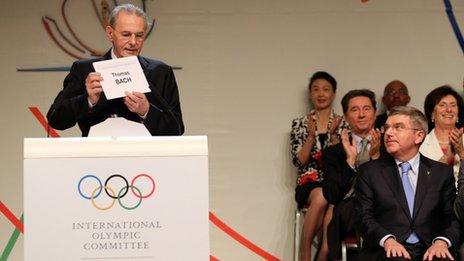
x=310, y=135
x=342, y=160
x=443, y=109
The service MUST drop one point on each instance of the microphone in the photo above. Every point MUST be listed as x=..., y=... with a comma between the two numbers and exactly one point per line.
x=167, y=108
x=163, y=102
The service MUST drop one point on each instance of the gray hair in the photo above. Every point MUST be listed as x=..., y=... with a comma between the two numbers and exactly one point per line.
x=417, y=117
x=130, y=9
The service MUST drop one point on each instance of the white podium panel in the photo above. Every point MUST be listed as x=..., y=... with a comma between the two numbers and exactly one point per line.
x=116, y=199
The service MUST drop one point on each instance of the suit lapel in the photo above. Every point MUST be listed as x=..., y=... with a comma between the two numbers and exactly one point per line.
x=422, y=184
x=144, y=64
x=392, y=176
x=107, y=55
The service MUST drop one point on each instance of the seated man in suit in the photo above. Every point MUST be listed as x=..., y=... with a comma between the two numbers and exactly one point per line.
x=82, y=100
x=395, y=94
x=404, y=203
x=341, y=160
x=459, y=202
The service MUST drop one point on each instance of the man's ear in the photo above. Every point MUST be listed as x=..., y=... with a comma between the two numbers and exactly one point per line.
x=420, y=136
x=109, y=32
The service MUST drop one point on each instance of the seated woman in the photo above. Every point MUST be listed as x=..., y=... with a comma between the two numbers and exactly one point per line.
x=310, y=135
x=443, y=108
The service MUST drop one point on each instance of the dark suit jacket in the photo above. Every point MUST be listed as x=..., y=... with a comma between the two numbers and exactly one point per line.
x=382, y=208
x=380, y=120
x=71, y=105
x=459, y=202
x=339, y=177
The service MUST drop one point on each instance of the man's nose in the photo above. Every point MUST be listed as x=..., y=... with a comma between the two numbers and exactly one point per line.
x=132, y=39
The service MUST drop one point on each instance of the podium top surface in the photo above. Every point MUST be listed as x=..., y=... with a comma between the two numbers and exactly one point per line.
x=115, y=147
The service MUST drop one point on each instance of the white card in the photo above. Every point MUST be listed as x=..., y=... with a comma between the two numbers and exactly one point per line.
x=121, y=75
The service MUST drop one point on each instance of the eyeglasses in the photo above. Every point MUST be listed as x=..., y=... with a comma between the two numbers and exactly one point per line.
x=397, y=127
x=125, y=35
x=393, y=92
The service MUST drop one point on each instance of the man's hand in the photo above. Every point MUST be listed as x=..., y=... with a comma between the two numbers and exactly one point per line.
x=93, y=87
x=137, y=102
x=438, y=249
x=376, y=139
x=349, y=147
x=395, y=249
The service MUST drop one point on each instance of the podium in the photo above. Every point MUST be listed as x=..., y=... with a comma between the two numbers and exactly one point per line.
x=143, y=198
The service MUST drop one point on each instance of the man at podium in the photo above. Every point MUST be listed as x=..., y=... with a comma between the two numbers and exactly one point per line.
x=82, y=100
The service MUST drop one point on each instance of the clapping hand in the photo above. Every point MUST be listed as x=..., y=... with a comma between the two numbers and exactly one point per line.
x=376, y=139
x=350, y=148
x=456, y=141
x=333, y=130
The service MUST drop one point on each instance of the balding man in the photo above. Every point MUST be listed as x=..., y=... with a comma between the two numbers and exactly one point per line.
x=395, y=94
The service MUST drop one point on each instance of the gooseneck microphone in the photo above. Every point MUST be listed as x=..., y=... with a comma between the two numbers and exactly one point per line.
x=167, y=108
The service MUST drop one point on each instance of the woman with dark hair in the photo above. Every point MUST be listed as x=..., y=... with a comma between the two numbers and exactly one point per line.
x=443, y=109
x=310, y=135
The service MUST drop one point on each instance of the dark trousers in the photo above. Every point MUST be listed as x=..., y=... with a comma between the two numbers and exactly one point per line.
x=340, y=227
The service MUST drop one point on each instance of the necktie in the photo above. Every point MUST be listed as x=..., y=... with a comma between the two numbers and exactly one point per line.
x=409, y=192
x=363, y=154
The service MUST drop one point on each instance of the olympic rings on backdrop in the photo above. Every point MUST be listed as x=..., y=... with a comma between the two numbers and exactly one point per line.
x=92, y=199
x=152, y=182
x=126, y=187
x=136, y=205
x=89, y=176
x=112, y=194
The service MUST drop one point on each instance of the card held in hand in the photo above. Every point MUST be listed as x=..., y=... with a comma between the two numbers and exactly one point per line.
x=121, y=75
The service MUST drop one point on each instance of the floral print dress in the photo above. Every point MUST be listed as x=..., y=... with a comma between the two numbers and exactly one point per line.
x=310, y=175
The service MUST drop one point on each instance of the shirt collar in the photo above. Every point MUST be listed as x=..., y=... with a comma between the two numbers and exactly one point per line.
x=113, y=55
x=414, y=162
x=358, y=138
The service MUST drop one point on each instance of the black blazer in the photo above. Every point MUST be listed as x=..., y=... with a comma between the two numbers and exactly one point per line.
x=339, y=177
x=382, y=208
x=71, y=106
x=380, y=120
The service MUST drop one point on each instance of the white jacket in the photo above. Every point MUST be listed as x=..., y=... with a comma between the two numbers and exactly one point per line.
x=431, y=149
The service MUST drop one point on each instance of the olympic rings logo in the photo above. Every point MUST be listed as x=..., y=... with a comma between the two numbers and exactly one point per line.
x=117, y=195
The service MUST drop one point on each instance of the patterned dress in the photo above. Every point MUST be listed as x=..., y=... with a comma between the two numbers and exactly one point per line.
x=310, y=175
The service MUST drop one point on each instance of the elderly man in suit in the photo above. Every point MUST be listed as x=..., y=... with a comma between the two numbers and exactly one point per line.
x=404, y=203
x=82, y=100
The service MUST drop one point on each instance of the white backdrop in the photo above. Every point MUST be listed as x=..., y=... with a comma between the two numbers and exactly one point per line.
x=245, y=65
